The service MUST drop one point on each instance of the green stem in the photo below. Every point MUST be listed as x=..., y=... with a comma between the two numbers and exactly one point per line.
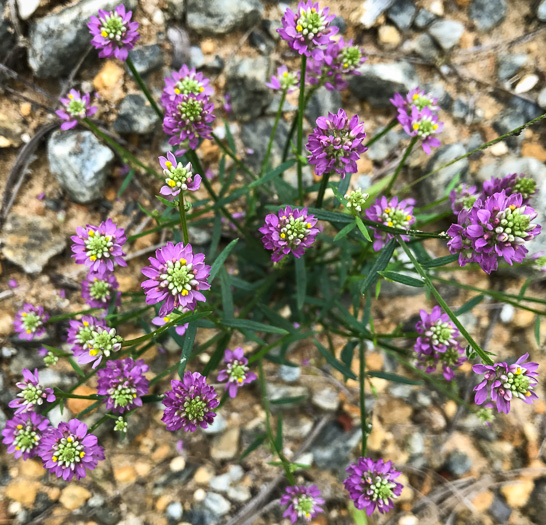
x=361, y=379
x=62, y=317
x=123, y=153
x=476, y=347
x=65, y=395
x=400, y=165
x=144, y=87
x=182, y=210
x=322, y=189
x=272, y=135
x=382, y=133
x=233, y=156
x=516, y=131
x=301, y=109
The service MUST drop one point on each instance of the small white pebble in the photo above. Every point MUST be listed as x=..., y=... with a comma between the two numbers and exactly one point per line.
x=527, y=83
x=199, y=495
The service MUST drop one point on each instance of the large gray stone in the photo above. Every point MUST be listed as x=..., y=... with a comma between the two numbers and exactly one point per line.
x=80, y=163
x=146, y=58
x=402, y=14
x=57, y=41
x=220, y=17
x=487, y=14
x=322, y=102
x=509, y=65
x=447, y=33
x=542, y=98
x=541, y=11
x=245, y=83
x=255, y=136
x=30, y=242
x=371, y=10
x=333, y=446
x=534, y=509
x=379, y=82
x=7, y=37
x=509, y=119
x=136, y=115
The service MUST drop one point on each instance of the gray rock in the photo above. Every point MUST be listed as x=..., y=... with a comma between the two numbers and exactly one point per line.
x=174, y=511
x=475, y=140
x=379, y=82
x=262, y=42
x=7, y=36
x=326, y=399
x=289, y=373
x=216, y=504
x=340, y=23
x=252, y=135
x=541, y=11
x=213, y=66
x=527, y=108
x=176, y=9
x=80, y=163
x=425, y=46
x=239, y=493
x=501, y=511
x=235, y=472
x=199, y=236
x=220, y=17
x=274, y=106
x=447, y=33
x=415, y=444
x=536, y=504
x=218, y=425
x=276, y=391
x=487, y=14
x=458, y=463
x=402, y=14
x=322, y=102
x=58, y=41
x=30, y=242
x=371, y=10
x=381, y=149
x=147, y=59
x=245, y=82
x=542, y=98
x=136, y=115
x=433, y=188
x=460, y=109
x=197, y=57
x=332, y=448
x=26, y=8
x=509, y=65
x=297, y=426
x=220, y=483
x=424, y=18
x=508, y=120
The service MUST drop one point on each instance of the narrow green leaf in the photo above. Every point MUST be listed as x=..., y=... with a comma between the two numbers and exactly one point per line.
x=288, y=400
x=273, y=173
x=452, y=183
x=466, y=307
x=339, y=196
x=76, y=367
x=143, y=210
x=278, y=437
x=440, y=261
x=253, y=325
x=234, y=195
x=221, y=259
x=126, y=181
x=401, y=278
x=216, y=235
x=395, y=378
x=537, y=330
x=301, y=282
x=186, y=349
x=363, y=229
x=217, y=355
x=332, y=361
x=167, y=203
x=343, y=187
x=348, y=352
x=258, y=440
x=227, y=297
x=379, y=265
x=526, y=284
x=229, y=137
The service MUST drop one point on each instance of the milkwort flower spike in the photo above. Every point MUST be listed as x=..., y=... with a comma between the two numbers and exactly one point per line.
x=98, y=290
x=184, y=82
x=114, y=34
x=80, y=332
x=177, y=176
x=32, y=393
x=356, y=200
x=75, y=108
x=463, y=197
x=283, y=80
x=236, y=373
x=29, y=321
x=511, y=184
x=303, y=502
x=103, y=342
x=23, y=433
x=424, y=124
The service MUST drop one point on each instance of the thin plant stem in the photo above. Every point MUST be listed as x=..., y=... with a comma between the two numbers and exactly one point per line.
x=233, y=156
x=272, y=135
x=382, y=133
x=400, y=165
x=143, y=87
x=361, y=379
x=322, y=189
x=301, y=109
x=182, y=210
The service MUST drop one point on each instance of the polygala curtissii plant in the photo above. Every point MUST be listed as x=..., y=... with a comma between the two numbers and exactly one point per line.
x=288, y=254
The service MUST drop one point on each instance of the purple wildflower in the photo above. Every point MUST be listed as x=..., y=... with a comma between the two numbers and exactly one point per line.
x=227, y=108
x=113, y=33
x=423, y=124
x=303, y=502
x=99, y=289
x=290, y=231
x=23, y=433
x=371, y=485
x=418, y=98
x=180, y=329
x=80, y=332
x=103, y=342
x=336, y=144
x=495, y=227
x=124, y=384
x=308, y=28
x=190, y=403
x=184, y=82
x=12, y=283
x=29, y=321
x=176, y=276
x=187, y=118
x=177, y=176
x=76, y=107
x=463, y=197
x=236, y=372
x=393, y=214
x=515, y=183
x=283, y=80
x=98, y=247
x=504, y=382
x=68, y=450
x=32, y=393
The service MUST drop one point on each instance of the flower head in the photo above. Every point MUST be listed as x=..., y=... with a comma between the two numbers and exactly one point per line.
x=463, y=197
x=121, y=425
x=177, y=176
x=539, y=263
x=497, y=226
x=99, y=247
x=124, y=384
x=356, y=200
x=23, y=433
x=371, y=485
x=98, y=290
x=190, y=403
x=113, y=33
x=303, y=502
x=485, y=414
x=336, y=144
x=187, y=118
x=505, y=382
x=393, y=214
x=284, y=80
x=75, y=107
x=236, y=372
x=103, y=342
x=68, y=451
x=179, y=329
x=176, y=276
x=515, y=183
x=184, y=82
x=80, y=332
x=29, y=321
x=423, y=124
x=417, y=98
x=32, y=393
x=289, y=231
